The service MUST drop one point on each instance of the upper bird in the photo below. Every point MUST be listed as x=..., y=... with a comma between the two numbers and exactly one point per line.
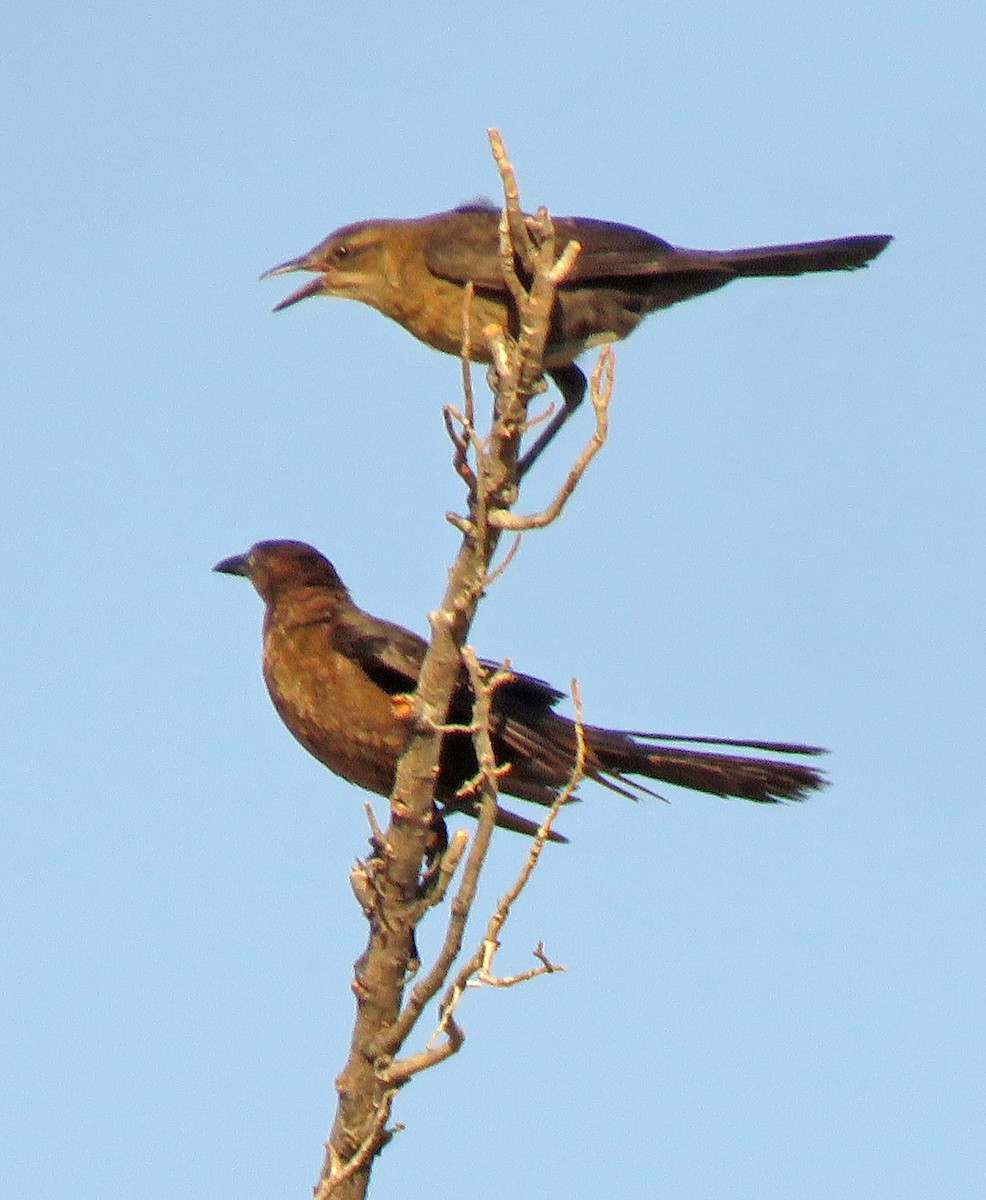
x=415, y=272
x=337, y=677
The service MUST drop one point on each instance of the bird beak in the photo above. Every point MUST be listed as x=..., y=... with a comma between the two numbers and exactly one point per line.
x=239, y=564
x=312, y=288
x=285, y=268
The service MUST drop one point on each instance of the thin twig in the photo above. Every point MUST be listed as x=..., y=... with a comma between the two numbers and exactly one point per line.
x=508, y=558
x=600, y=393
x=448, y=867
x=478, y=966
x=467, y=420
x=515, y=239
x=466, y=355
x=485, y=973
x=428, y=986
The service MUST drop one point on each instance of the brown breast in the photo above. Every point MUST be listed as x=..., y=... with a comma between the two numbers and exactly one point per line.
x=330, y=705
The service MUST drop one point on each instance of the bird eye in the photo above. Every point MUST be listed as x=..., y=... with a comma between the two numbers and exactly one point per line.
x=341, y=251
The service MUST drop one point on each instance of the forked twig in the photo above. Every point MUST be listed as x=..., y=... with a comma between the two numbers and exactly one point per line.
x=601, y=390
x=479, y=966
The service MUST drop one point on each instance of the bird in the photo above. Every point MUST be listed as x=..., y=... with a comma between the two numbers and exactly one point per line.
x=415, y=271
x=340, y=678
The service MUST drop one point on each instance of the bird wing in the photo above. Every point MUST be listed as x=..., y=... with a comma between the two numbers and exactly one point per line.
x=614, y=251
x=465, y=246
x=526, y=689
x=390, y=654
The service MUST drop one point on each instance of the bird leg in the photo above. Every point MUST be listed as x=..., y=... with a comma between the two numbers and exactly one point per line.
x=571, y=382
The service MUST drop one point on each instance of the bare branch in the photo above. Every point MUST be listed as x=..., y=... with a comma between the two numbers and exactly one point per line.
x=466, y=355
x=563, y=797
x=401, y=1070
x=376, y=833
x=448, y=867
x=412, y=864
x=428, y=987
x=467, y=419
x=514, y=236
x=566, y=260
x=485, y=973
x=479, y=966
x=499, y=569
x=374, y=1141
x=601, y=389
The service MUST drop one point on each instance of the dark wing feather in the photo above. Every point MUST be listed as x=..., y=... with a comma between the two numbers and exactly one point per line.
x=614, y=251
x=526, y=689
x=466, y=246
x=390, y=654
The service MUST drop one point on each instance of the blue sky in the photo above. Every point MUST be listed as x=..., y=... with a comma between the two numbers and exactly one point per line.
x=783, y=538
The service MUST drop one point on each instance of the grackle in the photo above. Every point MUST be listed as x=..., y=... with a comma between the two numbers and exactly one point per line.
x=415, y=272
x=338, y=676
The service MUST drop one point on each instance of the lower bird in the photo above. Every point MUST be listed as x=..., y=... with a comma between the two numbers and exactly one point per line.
x=415, y=271
x=339, y=679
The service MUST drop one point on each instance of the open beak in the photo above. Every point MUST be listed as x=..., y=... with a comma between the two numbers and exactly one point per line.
x=285, y=268
x=312, y=288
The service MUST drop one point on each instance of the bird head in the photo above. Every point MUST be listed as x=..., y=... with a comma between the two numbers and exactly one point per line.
x=355, y=263
x=276, y=567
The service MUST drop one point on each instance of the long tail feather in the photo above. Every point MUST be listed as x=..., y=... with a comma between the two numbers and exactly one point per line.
x=741, y=743
x=839, y=254
x=764, y=780
x=543, y=755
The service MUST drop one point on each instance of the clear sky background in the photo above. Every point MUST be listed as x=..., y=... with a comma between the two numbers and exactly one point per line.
x=783, y=538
